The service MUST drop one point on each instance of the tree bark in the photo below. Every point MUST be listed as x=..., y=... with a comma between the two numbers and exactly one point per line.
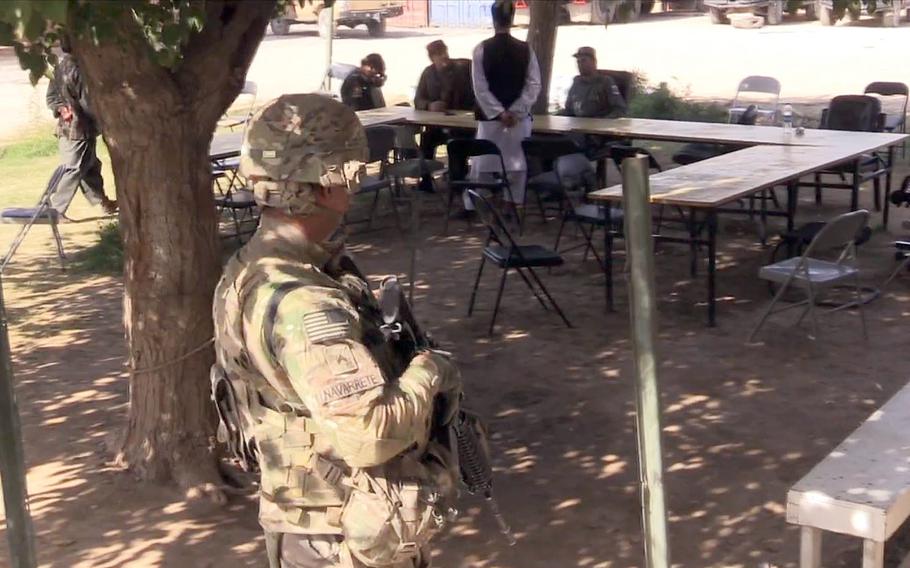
x=542, y=39
x=158, y=124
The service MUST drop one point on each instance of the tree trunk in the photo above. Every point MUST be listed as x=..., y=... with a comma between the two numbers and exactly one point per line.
x=158, y=124
x=542, y=39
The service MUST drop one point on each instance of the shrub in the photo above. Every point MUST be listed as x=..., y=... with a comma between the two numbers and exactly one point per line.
x=105, y=256
x=662, y=103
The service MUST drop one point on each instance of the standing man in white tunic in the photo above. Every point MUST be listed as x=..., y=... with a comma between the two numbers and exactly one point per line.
x=506, y=81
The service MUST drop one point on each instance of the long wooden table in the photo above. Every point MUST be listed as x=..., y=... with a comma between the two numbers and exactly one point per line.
x=703, y=188
x=772, y=157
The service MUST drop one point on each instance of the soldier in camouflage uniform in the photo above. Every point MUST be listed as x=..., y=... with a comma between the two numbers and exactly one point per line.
x=340, y=423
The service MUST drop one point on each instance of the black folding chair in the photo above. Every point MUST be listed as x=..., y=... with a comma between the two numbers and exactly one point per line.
x=380, y=145
x=856, y=113
x=461, y=150
x=893, y=122
x=577, y=177
x=541, y=153
x=232, y=197
x=502, y=250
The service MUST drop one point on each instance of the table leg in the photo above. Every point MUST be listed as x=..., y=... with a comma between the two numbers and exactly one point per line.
x=608, y=255
x=693, y=246
x=887, y=195
x=854, y=192
x=873, y=554
x=765, y=196
x=810, y=548
x=712, y=260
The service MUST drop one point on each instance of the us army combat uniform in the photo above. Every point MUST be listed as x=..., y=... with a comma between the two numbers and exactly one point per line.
x=297, y=323
x=75, y=137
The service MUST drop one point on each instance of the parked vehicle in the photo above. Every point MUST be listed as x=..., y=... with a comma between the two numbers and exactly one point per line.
x=830, y=11
x=601, y=11
x=351, y=13
x=771, y=10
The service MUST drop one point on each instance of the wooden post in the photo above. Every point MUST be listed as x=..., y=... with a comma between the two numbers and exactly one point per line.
x=12, y=463
x=643, y=313
x=327, y=82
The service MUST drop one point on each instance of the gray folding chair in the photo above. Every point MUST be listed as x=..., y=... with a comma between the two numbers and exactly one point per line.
x=815, y=275
x=764, y=92
x=41, y=214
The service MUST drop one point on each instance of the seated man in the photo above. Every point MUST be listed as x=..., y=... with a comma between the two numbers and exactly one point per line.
x=593, y=94
x=444, y=85
x=362, y=89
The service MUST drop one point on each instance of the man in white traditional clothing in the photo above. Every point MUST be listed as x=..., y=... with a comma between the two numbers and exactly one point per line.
x=506, y=81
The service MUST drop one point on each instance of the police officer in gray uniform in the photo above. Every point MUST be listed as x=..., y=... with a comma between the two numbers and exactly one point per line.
x=76, y=133
x=593, y=95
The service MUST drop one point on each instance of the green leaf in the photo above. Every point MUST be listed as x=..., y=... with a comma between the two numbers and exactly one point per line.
x=54, y=10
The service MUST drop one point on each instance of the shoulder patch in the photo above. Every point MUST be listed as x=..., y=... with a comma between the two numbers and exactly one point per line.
x=340, y=359
x=348, y=387
x=327, y=325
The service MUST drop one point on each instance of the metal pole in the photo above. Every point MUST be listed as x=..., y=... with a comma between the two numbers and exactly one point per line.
x=12, y=463
x=327, y=81
x=643, y=313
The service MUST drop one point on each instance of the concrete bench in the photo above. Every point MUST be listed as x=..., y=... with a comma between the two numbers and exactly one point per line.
x=861, y=489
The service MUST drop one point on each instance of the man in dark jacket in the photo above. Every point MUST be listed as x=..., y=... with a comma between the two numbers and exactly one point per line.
x=362, y=89
x=76, y=133
x=444, y=85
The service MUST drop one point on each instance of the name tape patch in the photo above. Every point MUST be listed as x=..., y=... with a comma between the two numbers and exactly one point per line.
x=348, y=387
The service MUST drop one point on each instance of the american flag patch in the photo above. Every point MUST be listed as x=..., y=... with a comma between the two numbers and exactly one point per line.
x=327, y=325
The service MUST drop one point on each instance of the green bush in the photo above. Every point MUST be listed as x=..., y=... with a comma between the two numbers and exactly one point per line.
x=105, y=256
x=662, y=103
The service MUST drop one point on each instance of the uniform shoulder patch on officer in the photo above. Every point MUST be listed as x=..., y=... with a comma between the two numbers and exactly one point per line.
x=346, y=387
x=327, y=325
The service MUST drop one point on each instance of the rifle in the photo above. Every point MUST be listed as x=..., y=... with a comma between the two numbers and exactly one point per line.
x=467, y=434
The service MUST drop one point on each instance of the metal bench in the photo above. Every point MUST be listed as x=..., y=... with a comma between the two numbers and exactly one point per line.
x=861, y=489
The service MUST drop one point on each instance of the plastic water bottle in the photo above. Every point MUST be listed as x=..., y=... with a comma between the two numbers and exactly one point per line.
x=787, y=117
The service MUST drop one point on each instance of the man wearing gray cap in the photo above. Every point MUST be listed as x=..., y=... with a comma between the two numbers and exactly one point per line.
x=593, y=94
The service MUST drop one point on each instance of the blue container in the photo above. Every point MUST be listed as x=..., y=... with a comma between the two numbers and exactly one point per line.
x=460, y=13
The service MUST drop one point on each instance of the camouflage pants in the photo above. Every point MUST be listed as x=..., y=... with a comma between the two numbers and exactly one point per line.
x=315, y=551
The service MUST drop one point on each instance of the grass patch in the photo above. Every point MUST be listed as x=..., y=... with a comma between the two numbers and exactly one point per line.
x=662, y=103
x=41, y=146
x=106, y=255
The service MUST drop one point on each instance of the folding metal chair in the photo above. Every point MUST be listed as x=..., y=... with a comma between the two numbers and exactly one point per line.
x=577, y=177
x=541, y=153
x=893, y=122
x=814, y=275
x=380, y=144
x=40, y=214
x=232, y=120
x=856, y=113
x=460, y=151
x=502, y=250
x=762, y=91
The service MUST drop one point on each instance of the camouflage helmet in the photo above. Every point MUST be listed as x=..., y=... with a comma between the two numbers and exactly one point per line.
x=299, y=141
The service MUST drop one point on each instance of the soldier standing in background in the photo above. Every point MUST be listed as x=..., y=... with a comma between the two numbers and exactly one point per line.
x=339, y=421
x=76, y=137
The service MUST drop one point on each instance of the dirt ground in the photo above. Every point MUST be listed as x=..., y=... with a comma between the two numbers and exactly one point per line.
x=742, y=422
